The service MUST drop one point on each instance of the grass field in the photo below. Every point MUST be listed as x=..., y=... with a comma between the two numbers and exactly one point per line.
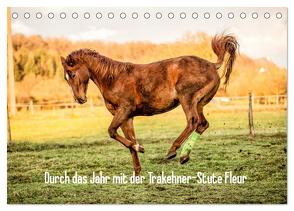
x=78, y=141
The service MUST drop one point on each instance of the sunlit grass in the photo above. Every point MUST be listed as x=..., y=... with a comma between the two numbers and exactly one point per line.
x=78, y=141
x=67, y=126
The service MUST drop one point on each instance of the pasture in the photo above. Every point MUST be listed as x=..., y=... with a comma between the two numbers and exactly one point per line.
x=77, y=140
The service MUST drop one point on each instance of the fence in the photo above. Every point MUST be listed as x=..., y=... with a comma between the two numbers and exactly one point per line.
x=217, y=103
x=270, y=102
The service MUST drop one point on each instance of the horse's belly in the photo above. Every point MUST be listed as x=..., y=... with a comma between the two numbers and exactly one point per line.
x=149, y=110
x=158, y=104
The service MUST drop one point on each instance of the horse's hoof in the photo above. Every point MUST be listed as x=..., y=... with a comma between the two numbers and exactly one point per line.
x=184, y=159
x=138, y=148
x=171, y=154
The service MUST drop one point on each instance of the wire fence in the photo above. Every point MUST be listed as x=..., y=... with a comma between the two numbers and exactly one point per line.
x=271, y=102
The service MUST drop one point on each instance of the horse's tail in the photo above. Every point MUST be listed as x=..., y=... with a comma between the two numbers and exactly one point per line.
x=222, y=44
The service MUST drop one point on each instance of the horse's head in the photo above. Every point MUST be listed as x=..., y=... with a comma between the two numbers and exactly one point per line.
x=77, y=77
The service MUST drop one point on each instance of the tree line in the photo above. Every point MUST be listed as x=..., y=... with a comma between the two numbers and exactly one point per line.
x=39, y=74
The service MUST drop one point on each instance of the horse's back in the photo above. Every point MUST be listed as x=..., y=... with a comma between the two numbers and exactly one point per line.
x=157, y=87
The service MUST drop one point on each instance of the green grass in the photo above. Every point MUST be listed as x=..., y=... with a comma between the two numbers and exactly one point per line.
x=78, y=141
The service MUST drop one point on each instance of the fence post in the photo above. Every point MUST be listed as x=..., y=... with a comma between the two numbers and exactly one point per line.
x=91, y=105
x=53, y=110
x=31, y=106
x=277, y=99
x=250, y=117
x=72, y=106
x=8, y=128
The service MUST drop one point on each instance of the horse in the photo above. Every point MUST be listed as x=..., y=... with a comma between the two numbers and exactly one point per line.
x=131, y=90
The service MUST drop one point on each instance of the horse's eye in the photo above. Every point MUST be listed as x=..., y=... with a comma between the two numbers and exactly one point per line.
x=72, y=75
x=69, y=75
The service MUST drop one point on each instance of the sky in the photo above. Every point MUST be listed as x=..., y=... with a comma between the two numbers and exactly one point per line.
x=261, y=34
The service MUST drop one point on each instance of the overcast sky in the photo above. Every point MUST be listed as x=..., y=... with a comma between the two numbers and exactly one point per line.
x=258, y=37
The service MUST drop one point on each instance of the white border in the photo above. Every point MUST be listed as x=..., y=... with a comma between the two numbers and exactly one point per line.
x=137, y=3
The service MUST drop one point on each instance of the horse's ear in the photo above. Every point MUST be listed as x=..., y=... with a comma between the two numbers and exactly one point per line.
x=63, y=61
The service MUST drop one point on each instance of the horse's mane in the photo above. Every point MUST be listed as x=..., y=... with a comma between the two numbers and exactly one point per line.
x=107, y=68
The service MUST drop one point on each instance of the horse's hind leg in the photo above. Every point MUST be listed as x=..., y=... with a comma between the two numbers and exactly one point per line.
x=128, y=130
x=191, y=121
x=190, y=104
x=204, y=123
x=205, y=100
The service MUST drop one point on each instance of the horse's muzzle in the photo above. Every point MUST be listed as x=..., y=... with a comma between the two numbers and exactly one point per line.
x=81, y=100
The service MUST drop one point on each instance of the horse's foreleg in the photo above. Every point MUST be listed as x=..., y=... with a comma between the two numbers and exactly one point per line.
x=120, y=116
x=128, y=130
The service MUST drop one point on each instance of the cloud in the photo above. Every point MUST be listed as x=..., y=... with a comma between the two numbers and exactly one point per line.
x=19, y=27
x=92, y=34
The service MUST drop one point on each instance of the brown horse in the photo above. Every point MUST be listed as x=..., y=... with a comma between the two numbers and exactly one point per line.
x=131, y=90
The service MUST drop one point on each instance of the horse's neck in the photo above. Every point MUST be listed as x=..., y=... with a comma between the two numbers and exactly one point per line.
x=98, y=82
x=97, y=75
x=104, y=71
